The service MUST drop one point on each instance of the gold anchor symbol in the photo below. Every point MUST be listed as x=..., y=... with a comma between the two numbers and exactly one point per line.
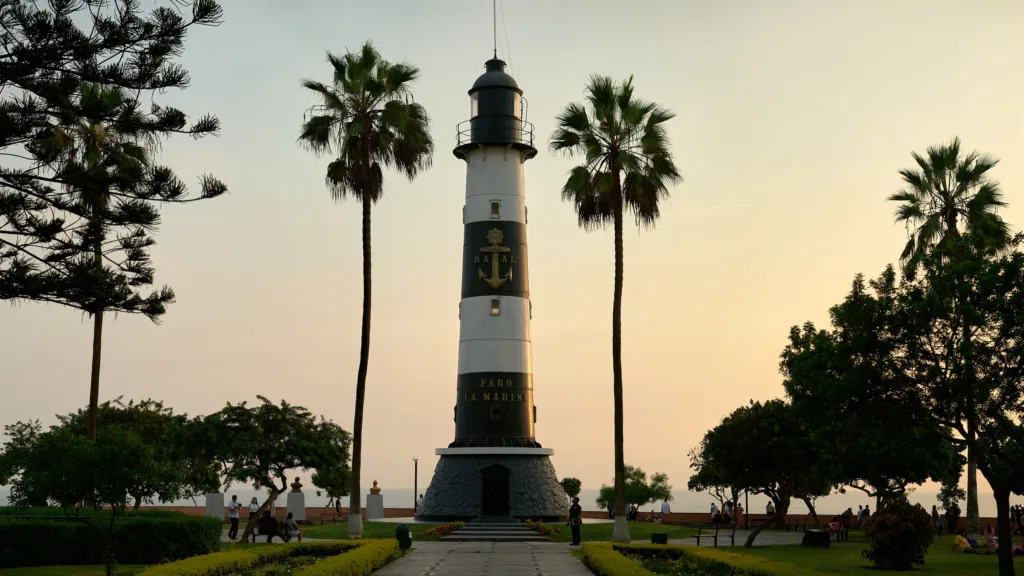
x=495, y=238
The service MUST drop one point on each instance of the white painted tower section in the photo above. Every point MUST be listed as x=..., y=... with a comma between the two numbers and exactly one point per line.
x=495, y=192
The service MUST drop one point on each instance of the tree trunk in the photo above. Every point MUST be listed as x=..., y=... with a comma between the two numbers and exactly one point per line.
x=108, y=555
x=814, y=514
x=138, y=502
x=750, y=538
x=250, y=524
x=781, y=509
x=97, y=349
x=973, y=516
x=1003, y=529
x=621, y=530
x=355, y=510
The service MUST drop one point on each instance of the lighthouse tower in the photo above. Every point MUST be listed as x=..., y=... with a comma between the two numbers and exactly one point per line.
x=495, y=468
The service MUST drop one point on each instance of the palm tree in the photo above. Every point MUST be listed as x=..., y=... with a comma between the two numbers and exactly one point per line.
x=368, y=120
x=947, y=196
x=626, y=166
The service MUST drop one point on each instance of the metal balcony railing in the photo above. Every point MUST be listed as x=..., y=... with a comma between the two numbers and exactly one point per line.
x=495, y=130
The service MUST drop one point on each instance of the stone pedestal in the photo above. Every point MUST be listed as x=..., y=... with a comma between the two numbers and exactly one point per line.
x=214, y=505
x=516, y=483
x=297, y=505
x=374, y=506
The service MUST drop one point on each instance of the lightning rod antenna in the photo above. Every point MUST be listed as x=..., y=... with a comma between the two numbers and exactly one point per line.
x=494, y=13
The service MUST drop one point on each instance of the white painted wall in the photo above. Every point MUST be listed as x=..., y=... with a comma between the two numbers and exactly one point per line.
x=477, y=323
x=495, y=356
x=512, y=208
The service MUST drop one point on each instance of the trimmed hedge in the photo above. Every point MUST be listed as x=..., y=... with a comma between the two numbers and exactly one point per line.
x=608, y=560
x=604, y=561
x=57, y=511
x=138, y=540
x=347, y=558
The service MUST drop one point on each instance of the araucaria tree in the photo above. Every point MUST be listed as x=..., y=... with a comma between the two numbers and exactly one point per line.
x=368, y=120
x=626, y=167
x=948, y=195
x=78, y=203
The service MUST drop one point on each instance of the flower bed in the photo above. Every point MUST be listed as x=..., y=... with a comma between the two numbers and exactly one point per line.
x=346, y=558
x=445, y=529
x=541, y=528
x=650, y=559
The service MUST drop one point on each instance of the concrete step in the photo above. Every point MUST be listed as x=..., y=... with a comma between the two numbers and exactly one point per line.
x=495, y=527
x=466, y=532
x=457, y=537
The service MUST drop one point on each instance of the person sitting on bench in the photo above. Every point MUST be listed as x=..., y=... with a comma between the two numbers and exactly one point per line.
x=290, y=529
x=267, y=526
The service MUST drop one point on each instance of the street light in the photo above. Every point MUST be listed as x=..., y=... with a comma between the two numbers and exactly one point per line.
x=415, y=482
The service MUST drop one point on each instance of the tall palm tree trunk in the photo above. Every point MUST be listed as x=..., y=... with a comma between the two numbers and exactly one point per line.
x=355, y=511
x=621, y=531
x=97, y=353
x=973, y=515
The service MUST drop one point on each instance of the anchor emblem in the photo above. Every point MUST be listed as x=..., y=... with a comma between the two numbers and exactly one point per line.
x=495, y=250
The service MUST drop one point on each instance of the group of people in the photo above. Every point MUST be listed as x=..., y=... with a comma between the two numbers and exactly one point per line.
x=730, y=512
x=267, y=524
x=947, y=521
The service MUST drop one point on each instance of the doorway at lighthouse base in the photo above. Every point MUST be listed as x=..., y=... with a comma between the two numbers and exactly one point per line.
x=497, y=486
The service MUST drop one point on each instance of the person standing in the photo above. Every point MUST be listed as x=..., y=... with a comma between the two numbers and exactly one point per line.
x=714, y=510
x=254, y=507
x=233, y=507
x=419, y=503
x=575, y=519
x=739, y=515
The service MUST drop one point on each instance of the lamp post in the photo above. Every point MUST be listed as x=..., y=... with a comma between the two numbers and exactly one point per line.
x=415, y=481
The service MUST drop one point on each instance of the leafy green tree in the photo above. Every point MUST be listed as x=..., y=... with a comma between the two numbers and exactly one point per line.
x=639, y=490
x=173, y=437
x=571, y=487
x=709, y=477
x=69, y=469
x=880, y=443
x=627, y=167
x=78, y=210
x=768, y=448
x=333, y=481
x=948, y=195
x=369, y=121
x=260, y=444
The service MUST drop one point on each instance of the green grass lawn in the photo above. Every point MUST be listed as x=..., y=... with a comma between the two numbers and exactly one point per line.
x=843, y=558
x=638, y=532
x=70, y=571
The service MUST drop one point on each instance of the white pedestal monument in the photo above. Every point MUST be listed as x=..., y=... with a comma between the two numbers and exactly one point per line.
x=374, y=503
x=297, y=502
x=214, y=505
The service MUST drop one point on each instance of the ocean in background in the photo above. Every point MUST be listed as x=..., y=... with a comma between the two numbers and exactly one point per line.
x=683, y=501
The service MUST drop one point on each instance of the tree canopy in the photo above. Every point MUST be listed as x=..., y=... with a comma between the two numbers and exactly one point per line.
x=639, y=490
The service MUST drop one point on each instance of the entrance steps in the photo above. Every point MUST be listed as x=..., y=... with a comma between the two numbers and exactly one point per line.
x=494, y=531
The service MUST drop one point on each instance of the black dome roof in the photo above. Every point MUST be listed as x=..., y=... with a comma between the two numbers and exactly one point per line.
x=495, y=77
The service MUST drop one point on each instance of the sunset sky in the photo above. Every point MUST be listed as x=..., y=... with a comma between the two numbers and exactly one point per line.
x=793, y=120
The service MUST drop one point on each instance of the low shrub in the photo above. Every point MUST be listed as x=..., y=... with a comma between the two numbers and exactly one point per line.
x=694, y=561
x=603, y=560
x=898, y=535
x=343, y=558
x=445, y=529
x=57, y=513
x=541, y=528
x=137, y=540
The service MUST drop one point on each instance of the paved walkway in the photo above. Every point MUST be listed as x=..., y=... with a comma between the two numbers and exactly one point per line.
x=487, y=559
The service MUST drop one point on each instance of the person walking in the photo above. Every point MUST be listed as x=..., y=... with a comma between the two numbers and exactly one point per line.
x=575, y=519
x=233, y=507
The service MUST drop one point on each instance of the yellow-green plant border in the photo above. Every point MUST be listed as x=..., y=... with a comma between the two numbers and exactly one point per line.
x=341, y=558
x=606, y=560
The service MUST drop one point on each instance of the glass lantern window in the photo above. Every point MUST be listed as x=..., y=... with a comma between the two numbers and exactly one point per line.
x=517, y=105
x=474, y=105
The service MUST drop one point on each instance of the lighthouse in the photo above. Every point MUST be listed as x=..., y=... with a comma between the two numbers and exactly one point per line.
x=495, y=468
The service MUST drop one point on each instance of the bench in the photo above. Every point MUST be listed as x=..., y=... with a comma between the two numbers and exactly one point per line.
x=723, y=530
x=816, y=539
x=797, y=525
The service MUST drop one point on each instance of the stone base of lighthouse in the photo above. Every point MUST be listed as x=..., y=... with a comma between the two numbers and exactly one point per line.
x=482, y=483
